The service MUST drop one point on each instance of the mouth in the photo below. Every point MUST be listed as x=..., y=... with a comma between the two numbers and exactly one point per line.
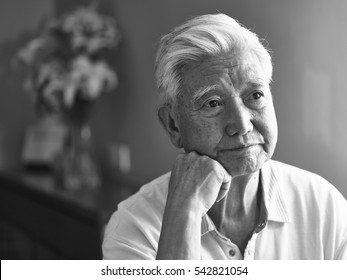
x=241, y=148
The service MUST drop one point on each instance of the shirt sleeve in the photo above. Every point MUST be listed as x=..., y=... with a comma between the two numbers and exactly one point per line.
x=132, y=233
x=342, y=252
x=339, y=217
x=115, y=249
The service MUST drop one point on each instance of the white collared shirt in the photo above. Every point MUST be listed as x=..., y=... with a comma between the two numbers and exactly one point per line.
x=304, y=217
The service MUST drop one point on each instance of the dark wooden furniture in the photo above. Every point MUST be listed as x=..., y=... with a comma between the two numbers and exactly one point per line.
x=67, y=223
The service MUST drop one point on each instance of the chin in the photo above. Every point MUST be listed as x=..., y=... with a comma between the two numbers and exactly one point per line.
x=245, y=166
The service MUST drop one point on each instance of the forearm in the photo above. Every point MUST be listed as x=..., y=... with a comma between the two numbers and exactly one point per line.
x=180, y=237
x=195, y=184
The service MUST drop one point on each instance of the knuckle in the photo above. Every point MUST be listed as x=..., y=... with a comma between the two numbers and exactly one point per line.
x=180, y=156
x=192, y=155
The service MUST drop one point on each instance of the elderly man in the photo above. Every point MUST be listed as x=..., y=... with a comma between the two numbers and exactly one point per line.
x=224, y=198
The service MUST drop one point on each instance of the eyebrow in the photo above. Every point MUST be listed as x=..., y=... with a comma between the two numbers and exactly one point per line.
x=202, y=91
x=253, y=83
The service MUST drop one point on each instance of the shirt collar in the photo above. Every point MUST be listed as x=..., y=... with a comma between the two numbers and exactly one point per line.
x=273, y=198
x=206, y=224
x=273, y=207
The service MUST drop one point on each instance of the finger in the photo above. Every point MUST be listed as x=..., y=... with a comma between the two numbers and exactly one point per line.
x=225, y=185
x=226, y=181
x=227, y=177
x=223, y=190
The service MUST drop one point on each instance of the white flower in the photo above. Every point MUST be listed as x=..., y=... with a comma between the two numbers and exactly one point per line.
x=90, y=31
x=29, y=53
x=66, y=61
x=92, y=78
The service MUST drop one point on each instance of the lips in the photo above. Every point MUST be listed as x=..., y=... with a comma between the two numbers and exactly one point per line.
x=240, y=147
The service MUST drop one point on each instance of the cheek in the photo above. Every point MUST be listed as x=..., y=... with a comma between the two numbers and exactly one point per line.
x=201, y=136
x=269, y=130
x=273, y=129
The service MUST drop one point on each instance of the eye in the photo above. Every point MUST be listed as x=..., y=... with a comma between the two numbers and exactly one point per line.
x=257, y=95
x=256, y=99
x=212, y=107
x=213, y=103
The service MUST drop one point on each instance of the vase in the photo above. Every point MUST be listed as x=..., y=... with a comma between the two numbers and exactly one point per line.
x=79, y=168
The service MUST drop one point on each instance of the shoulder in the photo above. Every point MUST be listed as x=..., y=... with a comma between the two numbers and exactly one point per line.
x=291, y=178
x=133, y=230
x=292, y=172
x=308, y=192
x=315, y=203
x=144, y=208
x=152, y=194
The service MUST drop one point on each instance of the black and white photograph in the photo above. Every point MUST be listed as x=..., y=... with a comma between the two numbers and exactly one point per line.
x=173, y=130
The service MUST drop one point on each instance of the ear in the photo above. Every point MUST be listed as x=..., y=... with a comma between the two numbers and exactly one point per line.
x=170, y=125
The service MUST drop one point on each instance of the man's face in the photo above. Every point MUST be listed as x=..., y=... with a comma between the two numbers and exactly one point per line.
x=226, y=112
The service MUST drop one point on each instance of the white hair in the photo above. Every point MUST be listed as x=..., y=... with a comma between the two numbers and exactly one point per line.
x=201, y=37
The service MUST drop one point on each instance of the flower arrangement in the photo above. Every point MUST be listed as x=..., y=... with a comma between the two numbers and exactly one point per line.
x=65, y=63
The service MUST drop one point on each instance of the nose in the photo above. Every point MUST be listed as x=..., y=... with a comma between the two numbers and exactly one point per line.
x=238, y=119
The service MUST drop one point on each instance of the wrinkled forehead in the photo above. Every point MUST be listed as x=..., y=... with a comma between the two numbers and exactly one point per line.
x=237, y=69
x=243, y=68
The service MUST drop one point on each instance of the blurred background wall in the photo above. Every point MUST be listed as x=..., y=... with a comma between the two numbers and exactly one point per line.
x=309, y=44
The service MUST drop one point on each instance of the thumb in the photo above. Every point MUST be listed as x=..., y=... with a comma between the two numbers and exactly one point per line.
x=224, y=187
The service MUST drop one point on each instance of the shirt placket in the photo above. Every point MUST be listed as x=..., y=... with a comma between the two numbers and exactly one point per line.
x=250, y=248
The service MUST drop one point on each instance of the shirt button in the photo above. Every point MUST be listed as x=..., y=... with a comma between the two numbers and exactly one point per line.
x=260, y=227
x=232, y=253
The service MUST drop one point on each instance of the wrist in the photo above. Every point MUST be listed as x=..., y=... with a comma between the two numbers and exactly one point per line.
x=180, y=234
x=187, y=207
